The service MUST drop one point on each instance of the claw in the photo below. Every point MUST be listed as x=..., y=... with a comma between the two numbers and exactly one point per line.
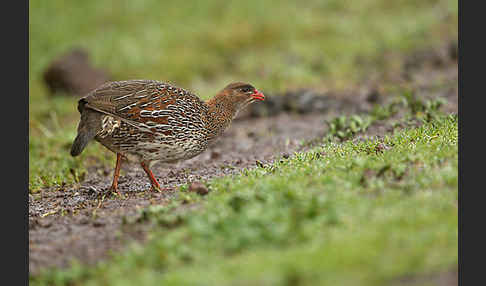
x=114, y=190
x=156, y=189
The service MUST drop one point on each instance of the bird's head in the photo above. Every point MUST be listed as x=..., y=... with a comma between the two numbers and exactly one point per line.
x=238, y=95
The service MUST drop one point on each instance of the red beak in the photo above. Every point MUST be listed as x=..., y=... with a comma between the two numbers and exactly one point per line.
x=258, y=95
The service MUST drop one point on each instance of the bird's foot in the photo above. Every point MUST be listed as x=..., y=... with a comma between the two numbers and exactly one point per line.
x=114, y=190
x=156, y=189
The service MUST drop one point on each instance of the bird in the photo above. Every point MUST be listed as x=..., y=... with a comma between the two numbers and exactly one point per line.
x=149, y=121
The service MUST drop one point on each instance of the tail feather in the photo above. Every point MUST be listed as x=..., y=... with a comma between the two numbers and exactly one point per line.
x=89, y=126
x=80, y=143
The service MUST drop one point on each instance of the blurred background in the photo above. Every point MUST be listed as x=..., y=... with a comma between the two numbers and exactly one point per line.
x=203, y=45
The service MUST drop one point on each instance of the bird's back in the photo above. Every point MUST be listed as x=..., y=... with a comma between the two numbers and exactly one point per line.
x=149, y=119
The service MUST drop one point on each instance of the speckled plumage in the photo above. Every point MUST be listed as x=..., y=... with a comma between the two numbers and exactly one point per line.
x=149, y=121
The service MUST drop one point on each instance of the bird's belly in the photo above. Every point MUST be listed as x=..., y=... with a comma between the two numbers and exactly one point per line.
x=141, y=145
x=165, y=151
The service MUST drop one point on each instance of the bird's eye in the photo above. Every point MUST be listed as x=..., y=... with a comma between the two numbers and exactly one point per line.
x=246, y=89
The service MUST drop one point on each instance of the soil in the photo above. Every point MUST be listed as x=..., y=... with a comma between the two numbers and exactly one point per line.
x=85, y=222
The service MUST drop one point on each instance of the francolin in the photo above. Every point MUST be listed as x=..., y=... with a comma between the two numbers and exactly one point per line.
x=148, y=121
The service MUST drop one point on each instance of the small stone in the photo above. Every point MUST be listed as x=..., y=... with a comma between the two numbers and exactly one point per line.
x=215, y=155
x=198, y=188
x=98, y=223
x=251, y=134
x=171, y=173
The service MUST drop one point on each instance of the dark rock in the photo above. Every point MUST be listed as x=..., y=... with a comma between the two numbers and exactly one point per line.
x=73, y=73
x=373, y=96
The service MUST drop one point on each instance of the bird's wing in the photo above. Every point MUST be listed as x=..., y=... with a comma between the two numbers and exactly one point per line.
x=141, y=103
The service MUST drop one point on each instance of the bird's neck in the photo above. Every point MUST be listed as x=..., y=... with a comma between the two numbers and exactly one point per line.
x=219, y=116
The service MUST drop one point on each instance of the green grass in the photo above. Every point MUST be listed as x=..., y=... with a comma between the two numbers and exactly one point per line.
x=203, y=45
x=340, y=214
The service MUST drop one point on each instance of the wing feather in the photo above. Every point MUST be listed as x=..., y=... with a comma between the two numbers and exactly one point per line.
x=132, y=100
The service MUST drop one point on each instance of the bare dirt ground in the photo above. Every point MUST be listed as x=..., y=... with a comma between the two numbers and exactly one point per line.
x=84, y=222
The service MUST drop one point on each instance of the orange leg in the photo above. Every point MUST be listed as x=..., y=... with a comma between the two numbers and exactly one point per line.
x=153, y=181
x=116, y=175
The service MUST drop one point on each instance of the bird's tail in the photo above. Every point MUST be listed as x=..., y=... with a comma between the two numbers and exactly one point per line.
x=89, y=126
x=80, y=142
